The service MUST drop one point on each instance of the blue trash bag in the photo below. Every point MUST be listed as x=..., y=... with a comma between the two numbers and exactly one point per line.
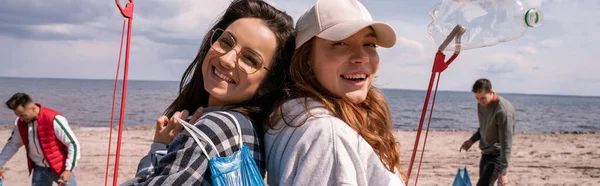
x=462, y=178
x=239, y=169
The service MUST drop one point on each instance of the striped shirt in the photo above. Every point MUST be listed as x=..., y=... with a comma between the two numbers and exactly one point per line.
x=62, y=131
x=185, y=164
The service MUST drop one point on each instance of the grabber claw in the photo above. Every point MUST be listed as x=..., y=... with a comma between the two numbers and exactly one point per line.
x=439, y=65
x=127, y=12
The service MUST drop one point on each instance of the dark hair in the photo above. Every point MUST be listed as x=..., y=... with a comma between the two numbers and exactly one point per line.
x=482, y=85
x=19, y=99
x=191, y=88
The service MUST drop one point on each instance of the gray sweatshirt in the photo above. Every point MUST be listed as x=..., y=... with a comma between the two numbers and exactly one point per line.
x=496, y=128
x=320, y=149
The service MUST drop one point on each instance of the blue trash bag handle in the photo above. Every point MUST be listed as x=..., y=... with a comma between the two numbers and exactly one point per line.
x=462, y=178
x=195, y=131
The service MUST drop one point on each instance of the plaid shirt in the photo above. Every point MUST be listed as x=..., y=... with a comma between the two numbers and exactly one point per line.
x=185, y=164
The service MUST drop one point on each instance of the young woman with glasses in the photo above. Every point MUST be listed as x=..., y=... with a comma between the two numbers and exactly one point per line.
x=242, y=60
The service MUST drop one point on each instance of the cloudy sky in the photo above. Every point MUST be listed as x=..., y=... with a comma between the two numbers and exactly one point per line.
x=80, y=39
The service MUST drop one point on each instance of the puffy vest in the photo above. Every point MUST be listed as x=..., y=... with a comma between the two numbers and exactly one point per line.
x=54, y=151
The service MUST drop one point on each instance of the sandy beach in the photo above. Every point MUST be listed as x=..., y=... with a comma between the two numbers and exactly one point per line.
x=537, y=159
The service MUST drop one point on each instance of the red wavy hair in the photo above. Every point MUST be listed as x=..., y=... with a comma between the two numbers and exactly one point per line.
x=371, y=119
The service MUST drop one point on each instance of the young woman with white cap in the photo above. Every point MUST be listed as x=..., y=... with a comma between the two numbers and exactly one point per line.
x=335, y=127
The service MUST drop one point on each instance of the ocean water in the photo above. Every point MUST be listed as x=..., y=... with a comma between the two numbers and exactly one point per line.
x=88, y=103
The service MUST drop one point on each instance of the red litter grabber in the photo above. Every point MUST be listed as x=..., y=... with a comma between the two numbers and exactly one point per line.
x=439, y=65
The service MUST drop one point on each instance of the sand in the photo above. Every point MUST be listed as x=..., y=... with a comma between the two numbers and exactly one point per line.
x=537, y=159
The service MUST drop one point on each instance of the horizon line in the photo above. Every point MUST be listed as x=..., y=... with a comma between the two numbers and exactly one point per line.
x=530, y=94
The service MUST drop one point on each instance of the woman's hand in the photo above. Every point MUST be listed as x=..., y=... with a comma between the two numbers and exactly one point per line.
x=196, y=115
x=167, y=129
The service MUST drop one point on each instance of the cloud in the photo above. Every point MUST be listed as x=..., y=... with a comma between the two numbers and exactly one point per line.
x=499, y=67
x=45, y=38
x=46, y=32
x=84, y=36
x=413, y=45
x=175, y=23
x=409, y=45
x=505, y=63
x=549, y=43
x=528, y=49
x=50, y=20
x=178, y=23
x=37, y=12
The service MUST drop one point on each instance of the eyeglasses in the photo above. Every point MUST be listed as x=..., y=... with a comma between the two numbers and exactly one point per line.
x=247, y=60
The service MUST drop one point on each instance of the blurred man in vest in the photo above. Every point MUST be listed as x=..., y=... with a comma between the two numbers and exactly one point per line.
x=52, y=149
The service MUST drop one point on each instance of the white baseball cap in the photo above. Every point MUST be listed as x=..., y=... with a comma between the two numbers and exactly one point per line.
x=337, y=20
